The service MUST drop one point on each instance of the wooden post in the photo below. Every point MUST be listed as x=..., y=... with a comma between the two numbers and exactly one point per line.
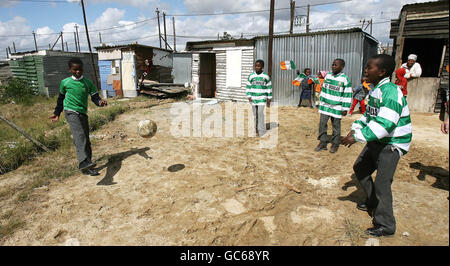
x=399, y=42
x=291, y=27
x=35, y=43
x=100, y=37
x=441, y=66
x=14, y=46
x=174, y=36
x=165, y=32
x=269, y=63
x=62, y=42
x=159, y=29
x=75, y=38
x=307, y=19
x=90, y=49
x=11, y=124
x=78, y=38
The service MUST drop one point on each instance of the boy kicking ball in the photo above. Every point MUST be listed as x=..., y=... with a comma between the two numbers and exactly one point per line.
x=73, y=96
x=386, y=128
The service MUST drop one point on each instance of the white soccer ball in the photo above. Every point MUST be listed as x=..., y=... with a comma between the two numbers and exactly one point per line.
x=147, y=128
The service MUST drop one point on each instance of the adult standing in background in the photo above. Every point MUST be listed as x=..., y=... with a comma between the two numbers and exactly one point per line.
x=413, y=69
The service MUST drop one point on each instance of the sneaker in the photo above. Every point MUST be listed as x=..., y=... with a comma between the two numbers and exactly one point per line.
x=321, y=147
x=378, y=231
x=90, y=172
x=334, y=148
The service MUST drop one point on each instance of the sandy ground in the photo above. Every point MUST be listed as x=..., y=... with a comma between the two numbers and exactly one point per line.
x=227, y=191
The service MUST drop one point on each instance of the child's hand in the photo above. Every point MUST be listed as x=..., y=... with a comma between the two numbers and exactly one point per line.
x=103, y=103
x=250, y=99
x=268, y=103
x=344, y=113
x=54, y=118
x=445, y=127
x=349, y=140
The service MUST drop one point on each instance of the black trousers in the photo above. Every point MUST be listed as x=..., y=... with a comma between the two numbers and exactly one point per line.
x=79, y=126
x=323, y=127
x=384, y=159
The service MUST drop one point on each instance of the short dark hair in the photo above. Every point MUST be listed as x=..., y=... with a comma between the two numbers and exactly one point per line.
x=260, y=61
x=340, y=60
x=386, y=63
x=304, y=70
x=75, y=60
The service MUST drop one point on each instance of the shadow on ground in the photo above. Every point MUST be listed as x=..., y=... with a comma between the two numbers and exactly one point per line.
x=439, y=173
x=115, y=163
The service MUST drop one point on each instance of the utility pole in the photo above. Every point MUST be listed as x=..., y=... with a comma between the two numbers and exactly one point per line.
x=78, y=38
x=174, y=36
x=159, y=28
x=7, y=55
x=371, y=26
x=67, y=47
x=14, y=45
x=269, y=66
x=62, y=42
x=307, y=18
x=165, y=32
x=291, y=29
x=399, y=42
x=89, y=44
x=100, y=37
x=75, y=38
x=35, y=43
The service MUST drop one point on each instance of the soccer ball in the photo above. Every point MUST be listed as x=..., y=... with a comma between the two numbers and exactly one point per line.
x=147, y=128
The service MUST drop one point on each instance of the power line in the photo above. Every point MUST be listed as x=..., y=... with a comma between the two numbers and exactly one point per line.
x=44, y=1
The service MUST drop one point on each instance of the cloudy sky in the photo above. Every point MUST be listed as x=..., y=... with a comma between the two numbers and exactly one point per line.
x=125, y=21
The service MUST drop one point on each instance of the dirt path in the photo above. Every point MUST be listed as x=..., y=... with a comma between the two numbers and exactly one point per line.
x=228, y=191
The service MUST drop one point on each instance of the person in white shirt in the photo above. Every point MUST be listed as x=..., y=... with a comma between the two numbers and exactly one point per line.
x=413, y=69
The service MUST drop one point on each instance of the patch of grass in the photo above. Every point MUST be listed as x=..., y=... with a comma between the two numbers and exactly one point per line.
x=353, y=232
x=13, y=225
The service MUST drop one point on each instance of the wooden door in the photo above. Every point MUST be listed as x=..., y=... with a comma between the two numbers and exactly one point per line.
x=207, y=86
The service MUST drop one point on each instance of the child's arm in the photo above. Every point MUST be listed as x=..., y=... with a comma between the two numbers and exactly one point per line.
x=59, y=103
x=269, y=92
x=347, y=97
x=247, y=89
x=95, y=96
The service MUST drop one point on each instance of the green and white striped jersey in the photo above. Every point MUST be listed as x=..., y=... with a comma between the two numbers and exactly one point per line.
x=259, y=88
x=386, y=119
x=336, y=95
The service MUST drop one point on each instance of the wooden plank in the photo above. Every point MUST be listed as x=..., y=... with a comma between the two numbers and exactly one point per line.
x=400, y=42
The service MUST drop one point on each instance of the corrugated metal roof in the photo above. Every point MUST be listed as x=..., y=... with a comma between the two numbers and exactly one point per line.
x=131, y=45
x=427, y=6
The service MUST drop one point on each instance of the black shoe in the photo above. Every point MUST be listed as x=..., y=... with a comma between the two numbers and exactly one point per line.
x=362, y=206
x=321, y=147
x=334, y=148
x=91, y=165
x=378, y=231
x=90, y=172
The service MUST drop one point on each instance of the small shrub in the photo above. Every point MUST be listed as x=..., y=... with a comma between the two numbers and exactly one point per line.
x=17, y=90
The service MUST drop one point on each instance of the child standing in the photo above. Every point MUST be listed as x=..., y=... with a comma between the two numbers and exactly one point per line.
x=73, y=95
x=359, y=94
x=386, y=128
x=306, y=85
x=401, y=81
x=335, y=100
x=259, y=94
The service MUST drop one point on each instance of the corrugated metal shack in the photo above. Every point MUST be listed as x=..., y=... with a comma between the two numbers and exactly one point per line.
x=5, y=72
x=220, y=68
x=425, y=33
x=122, y=66
x=45, y=69
x=315, y=50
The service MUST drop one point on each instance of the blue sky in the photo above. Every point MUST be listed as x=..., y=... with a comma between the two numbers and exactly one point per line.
x=48, y=19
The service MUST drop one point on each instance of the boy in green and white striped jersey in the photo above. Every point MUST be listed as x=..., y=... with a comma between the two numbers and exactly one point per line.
x=259, y=94
x=335, y=100
x=386, y=128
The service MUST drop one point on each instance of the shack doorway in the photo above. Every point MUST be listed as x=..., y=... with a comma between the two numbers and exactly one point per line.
x=429, y=54
x=207, y=85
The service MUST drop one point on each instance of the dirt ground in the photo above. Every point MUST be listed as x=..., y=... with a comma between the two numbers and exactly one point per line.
x=227, y=191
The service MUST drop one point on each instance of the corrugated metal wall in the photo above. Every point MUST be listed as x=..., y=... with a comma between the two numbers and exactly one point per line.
x=56, y=69
x=30, y=68
x=313, y=51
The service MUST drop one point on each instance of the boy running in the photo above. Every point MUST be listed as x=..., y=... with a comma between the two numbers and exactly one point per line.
x=386, y=128
x=335, y=101
x=73, y=95
x=259, y=94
